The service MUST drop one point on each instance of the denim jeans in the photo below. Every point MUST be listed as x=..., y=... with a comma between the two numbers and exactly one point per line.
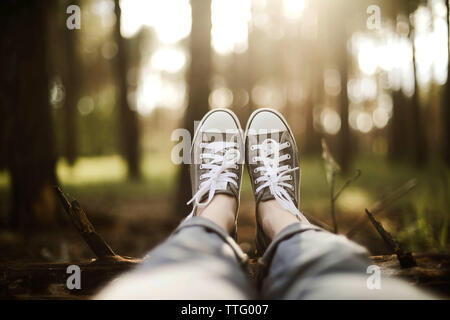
x=201, y=261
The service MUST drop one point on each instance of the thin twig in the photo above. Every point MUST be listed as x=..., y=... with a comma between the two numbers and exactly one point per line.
x=331, y=170
x=347, y=183
x=333, y=213
x=334, y=196
x=383, y=204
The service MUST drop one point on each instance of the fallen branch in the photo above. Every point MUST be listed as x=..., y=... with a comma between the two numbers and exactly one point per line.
x=48, y=280
x=94, y=240
x=405, y=258
x=85, y=227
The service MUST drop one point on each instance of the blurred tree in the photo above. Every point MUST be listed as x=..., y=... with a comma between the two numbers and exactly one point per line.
x=398, y=144
x=344, y=133
x=241, y=85
x=446, y=100
x=25, y=97
x=199, y=76
x=128, y=118
x=71, y=82
x=407, y=129
x=400, y=147
x=341, y=37
x=420, y=142
x=313, y=49
x=254, y=54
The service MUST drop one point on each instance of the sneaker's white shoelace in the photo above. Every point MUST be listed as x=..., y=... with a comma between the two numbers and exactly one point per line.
x=223, y=156
x=275, y=176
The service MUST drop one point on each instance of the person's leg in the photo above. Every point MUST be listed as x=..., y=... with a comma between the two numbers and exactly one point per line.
x=199, y=261
x=306, y=262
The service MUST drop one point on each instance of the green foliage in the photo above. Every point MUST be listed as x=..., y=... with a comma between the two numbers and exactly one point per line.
x=427, y=222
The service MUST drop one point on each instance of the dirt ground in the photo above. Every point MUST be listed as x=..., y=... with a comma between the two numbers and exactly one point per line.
x=132, y=227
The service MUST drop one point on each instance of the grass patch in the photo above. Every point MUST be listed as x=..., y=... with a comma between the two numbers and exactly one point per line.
x=107, y=176
x=424, y=213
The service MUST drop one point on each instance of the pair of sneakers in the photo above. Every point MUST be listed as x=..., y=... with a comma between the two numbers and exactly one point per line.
x=220, y=149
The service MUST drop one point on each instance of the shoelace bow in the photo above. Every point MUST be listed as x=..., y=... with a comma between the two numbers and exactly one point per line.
x=275, y=176
x=224, y=155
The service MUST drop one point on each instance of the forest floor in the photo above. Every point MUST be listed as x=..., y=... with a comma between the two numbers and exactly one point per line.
x=133, y=217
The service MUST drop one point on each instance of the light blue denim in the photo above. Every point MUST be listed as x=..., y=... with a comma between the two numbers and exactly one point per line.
x=201, y=261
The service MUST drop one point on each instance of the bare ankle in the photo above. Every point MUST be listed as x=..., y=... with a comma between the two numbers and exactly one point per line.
x=273, y=218
x=221, y=210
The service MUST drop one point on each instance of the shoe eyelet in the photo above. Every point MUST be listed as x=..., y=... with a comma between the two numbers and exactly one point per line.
x=252, y=148
x=254, y=159
x=288, y=144
x=288, y=156
x=236, y=167
x=201, y=167
x=255, y=170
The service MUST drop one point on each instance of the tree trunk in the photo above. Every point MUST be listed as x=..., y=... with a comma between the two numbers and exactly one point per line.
x=200, y=70
x=446, y=104
x=72, y=84
x=240, y=80
x=344, y=154
x=25, y=99
x=315, y=92
x=398, y=147
x=420, y=143
x=129, y=123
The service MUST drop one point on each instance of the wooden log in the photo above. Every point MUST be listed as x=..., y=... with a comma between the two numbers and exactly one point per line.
x=35, y=280
x=432, y=271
